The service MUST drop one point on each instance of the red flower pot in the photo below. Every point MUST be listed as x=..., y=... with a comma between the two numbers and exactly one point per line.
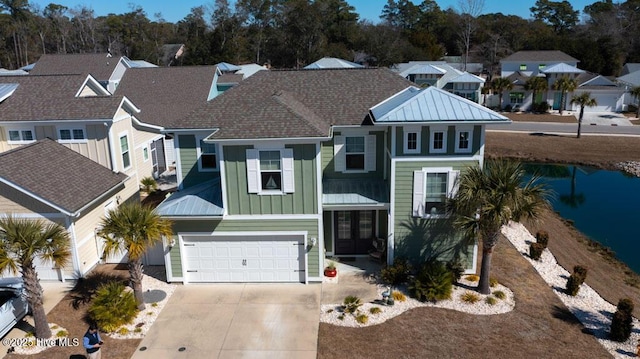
x=330, y=272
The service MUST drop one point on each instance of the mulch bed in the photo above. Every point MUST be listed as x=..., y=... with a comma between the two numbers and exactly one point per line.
x=70, y=313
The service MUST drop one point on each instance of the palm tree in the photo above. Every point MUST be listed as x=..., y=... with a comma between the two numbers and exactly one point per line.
x=635, y=92
x=536, y=85
x=501, y=84
x=564, y=84
x=489, y=198
x=21, y=242
x=134, y=228
x=584, y=99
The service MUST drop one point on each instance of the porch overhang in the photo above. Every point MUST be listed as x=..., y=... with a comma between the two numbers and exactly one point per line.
x=351, y=194
x=201, y=201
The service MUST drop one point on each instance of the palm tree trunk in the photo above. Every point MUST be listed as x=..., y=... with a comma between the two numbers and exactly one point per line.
x=561, y=102
x=485, y=269
x=136, y=275
x=580, y=120
x=35, y=298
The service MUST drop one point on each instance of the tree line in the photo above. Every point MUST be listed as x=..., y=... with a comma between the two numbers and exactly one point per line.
x=294, y=33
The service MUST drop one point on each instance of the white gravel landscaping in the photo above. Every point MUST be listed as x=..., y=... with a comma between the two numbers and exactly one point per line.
x=593, y=312
x=330, y=313
x=139, y=327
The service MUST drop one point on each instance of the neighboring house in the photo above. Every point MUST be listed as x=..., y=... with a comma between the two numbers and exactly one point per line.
x=290, y=166
x=629, y=79
x=332, y=63
x=548, y=65
x=443, y=75
x=105, y=68
x=80, y=114
x=48, y=181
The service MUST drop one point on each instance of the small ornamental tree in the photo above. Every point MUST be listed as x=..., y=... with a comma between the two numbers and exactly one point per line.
x=622, y=322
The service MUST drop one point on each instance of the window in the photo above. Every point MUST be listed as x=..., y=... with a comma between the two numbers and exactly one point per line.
x=523, y=67
x=124, y=150
x=76, y=134
x=464, y=138
x=208, y=160
x=411, y=140
x=145, y=153
x=438, y=140
x=541, y=66
x=354, y=147
x=20, y=135
x=431, y=188
x=516, y=97
x=270, y=171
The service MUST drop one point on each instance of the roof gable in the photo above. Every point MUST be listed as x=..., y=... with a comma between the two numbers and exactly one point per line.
x=57, y=175
x=561, y=68
x=632, y=79
x=467, y=78
x=539, y=56
x=432, y=105
x=332, y=63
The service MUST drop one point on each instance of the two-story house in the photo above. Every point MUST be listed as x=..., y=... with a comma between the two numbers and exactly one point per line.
x=291, y=166
x=443, y=75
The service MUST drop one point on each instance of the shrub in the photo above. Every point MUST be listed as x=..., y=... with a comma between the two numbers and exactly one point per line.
x=432, y=283
x=351, y=304
x=137, y=330
x=123, y=331
x=493, y=282
x=508, y=108
x=112, y=306
x=397, y=273
x=62, y=334
x=341, y=317
x=499, y=294
x=154, y=304
x=362, y=318
x=472, y=278
x=491, y=300
x=470, y=297
x=535, y=251
x=456, y=269
x=149, y=184
x=622, y=322
x=398, y=296
x=375, y=310
x=576, y=279
x=540, y=107
x=542, y=237
x=329, y=310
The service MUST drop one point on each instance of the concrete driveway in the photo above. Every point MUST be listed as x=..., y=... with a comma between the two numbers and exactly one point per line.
x=603, y=119
x=236, y=321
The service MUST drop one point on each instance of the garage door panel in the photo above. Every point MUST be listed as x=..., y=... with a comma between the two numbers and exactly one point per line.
x=247, y=259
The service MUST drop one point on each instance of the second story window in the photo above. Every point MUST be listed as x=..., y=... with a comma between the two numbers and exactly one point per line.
x=124, y=150
x=208, y=159
x=464, y=139
x=438, y=140
x=76, y=134
x=21, y=136
x=270, y=170
x=354, y=147
x=412, y=140
x=523, y=67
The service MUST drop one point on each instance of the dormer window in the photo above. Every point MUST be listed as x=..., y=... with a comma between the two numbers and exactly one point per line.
x=20, y=136
x=71, y=134
x=411, y=140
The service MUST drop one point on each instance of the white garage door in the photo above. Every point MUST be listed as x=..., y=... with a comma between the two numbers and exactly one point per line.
x=244, y=259
x=606, y=103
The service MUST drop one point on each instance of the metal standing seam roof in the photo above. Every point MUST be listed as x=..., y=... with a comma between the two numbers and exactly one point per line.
x=632, y=79
x=6, y=90
x=467, y=78
x=561, y=68
x=432, y=105
x=204, y=199
x=423, y=69
x=332, y=63
x=354, y=192
x=227, y=67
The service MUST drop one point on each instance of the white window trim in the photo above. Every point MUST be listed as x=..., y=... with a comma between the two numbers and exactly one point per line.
x=432, y=132
x=340, y=152
x=71, y=128
x=460, y=130
x=254, y=174
x=120, y=135
x=199, y=154
x=406, y=131
x=20, y=129
x=146, y=153
x=420, y=189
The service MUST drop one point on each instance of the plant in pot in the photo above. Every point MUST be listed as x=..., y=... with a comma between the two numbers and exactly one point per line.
x=330, y=270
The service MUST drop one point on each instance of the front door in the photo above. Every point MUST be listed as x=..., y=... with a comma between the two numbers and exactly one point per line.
x=354, y=231
x=557, y=98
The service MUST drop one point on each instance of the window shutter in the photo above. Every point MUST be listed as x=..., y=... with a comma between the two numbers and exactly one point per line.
x=452, y=183
x=339, y=158
x=253, y=171
x=418, y=193
x=370, y=154
x=287, y=171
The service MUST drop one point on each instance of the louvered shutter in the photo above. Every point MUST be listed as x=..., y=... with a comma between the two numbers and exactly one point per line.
x=253, y=171
x=418, y=193
x=339, y=157
x=370, y=154
x=288, y=180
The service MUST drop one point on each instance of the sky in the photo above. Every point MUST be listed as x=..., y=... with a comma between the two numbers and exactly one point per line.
x=173, y=11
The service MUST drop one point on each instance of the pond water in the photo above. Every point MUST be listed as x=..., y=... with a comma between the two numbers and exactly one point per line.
x=604, y=205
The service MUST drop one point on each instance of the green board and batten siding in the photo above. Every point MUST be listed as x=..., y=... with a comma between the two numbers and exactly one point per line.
x=425, y=136
x=191, y=175
x=328, y=165
x=271, y=225
x=403, y=218
x=304, y=200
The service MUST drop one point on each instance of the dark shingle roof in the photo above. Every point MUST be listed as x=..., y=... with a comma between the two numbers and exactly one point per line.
x=165, y=94
x=303, y=103
x=551, y=55
x=52, y=97
x=57, y=174
x=101, y=66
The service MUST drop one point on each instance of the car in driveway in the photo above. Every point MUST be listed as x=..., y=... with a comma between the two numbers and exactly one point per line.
x=13, y=303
